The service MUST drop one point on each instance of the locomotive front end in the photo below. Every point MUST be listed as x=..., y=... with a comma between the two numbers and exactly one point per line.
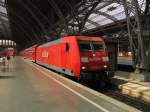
x=94, y=58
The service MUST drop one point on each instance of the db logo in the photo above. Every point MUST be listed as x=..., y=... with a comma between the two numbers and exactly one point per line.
x=45, y=54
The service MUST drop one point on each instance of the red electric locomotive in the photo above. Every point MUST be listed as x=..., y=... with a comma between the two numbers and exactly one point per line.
x=77, y=56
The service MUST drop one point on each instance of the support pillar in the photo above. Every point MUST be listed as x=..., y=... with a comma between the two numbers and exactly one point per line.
x=139, y=42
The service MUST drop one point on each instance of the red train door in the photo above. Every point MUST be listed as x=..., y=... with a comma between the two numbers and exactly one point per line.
x=65, y=56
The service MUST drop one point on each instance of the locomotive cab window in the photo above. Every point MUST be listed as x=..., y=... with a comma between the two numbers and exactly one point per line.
x=85, y=45
x=91, y=46
x=98, y=46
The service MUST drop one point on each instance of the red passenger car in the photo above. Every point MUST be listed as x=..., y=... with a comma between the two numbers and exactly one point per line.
x=7, y=52
x=29, y=52
x=77, y=56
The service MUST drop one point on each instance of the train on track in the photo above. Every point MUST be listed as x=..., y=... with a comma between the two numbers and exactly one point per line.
x=77, y=56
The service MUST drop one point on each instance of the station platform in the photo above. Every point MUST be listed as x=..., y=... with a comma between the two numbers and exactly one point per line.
x=27, y=87
x=132, y=87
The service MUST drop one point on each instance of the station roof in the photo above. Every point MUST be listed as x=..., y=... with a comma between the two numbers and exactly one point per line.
x=4, y=23
x=108, y=12
x=34, y=21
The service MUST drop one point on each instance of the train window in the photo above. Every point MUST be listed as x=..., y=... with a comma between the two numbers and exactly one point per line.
x=98, y=46
x=67, y=47
x=85, y=45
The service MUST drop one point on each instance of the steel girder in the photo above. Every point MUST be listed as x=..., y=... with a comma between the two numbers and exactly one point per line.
x=24, y=42
x=29, y=10
x=31, y=25
x=138, y=31
x=92, y=22
x=34, y=12
x=147, y=9
x=22, y=20
x=3, y=14
x=106, y=3
x=78, y=16
x=23, y=29
x=5, y=24
x=59, y=14
x=24, y=32
x=44, y=17
x=83, y=11
x=74, y=23
x=2, y=4
x=105, y=15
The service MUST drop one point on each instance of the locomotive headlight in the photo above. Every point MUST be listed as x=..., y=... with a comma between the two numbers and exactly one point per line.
x=105, y=58
x=105, y=66
x=84, y=59
x=83, y=67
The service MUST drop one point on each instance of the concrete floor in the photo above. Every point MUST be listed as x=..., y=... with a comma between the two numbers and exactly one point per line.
x=24, y=89
x=27, y=87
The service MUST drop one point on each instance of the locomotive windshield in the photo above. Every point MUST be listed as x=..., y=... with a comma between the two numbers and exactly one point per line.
x=91, y=46
x=98, y=46
x=84, y=46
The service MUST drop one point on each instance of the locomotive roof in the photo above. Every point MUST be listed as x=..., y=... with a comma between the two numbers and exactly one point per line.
x=50, y=43
x=85, y=38
x=90, y=38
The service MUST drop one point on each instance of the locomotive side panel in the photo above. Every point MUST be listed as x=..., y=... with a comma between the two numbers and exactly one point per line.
x=62, y=56
x=72, y=55
x=54, y=58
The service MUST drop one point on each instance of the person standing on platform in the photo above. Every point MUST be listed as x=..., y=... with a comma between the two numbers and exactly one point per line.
x=3, y=62
x=8, y=61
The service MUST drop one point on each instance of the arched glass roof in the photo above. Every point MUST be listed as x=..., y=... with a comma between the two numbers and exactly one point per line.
x=4, y=24
x=109, y=12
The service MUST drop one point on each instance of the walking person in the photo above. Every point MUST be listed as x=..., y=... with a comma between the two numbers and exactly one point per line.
x=3, y=61
x=8, y=61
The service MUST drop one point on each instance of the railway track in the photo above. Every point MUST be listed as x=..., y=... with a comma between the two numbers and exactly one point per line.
x=113, y=92
x=134, y=102
x=127, y=68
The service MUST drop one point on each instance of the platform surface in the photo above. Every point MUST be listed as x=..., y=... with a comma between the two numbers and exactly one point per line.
x=24, y=88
